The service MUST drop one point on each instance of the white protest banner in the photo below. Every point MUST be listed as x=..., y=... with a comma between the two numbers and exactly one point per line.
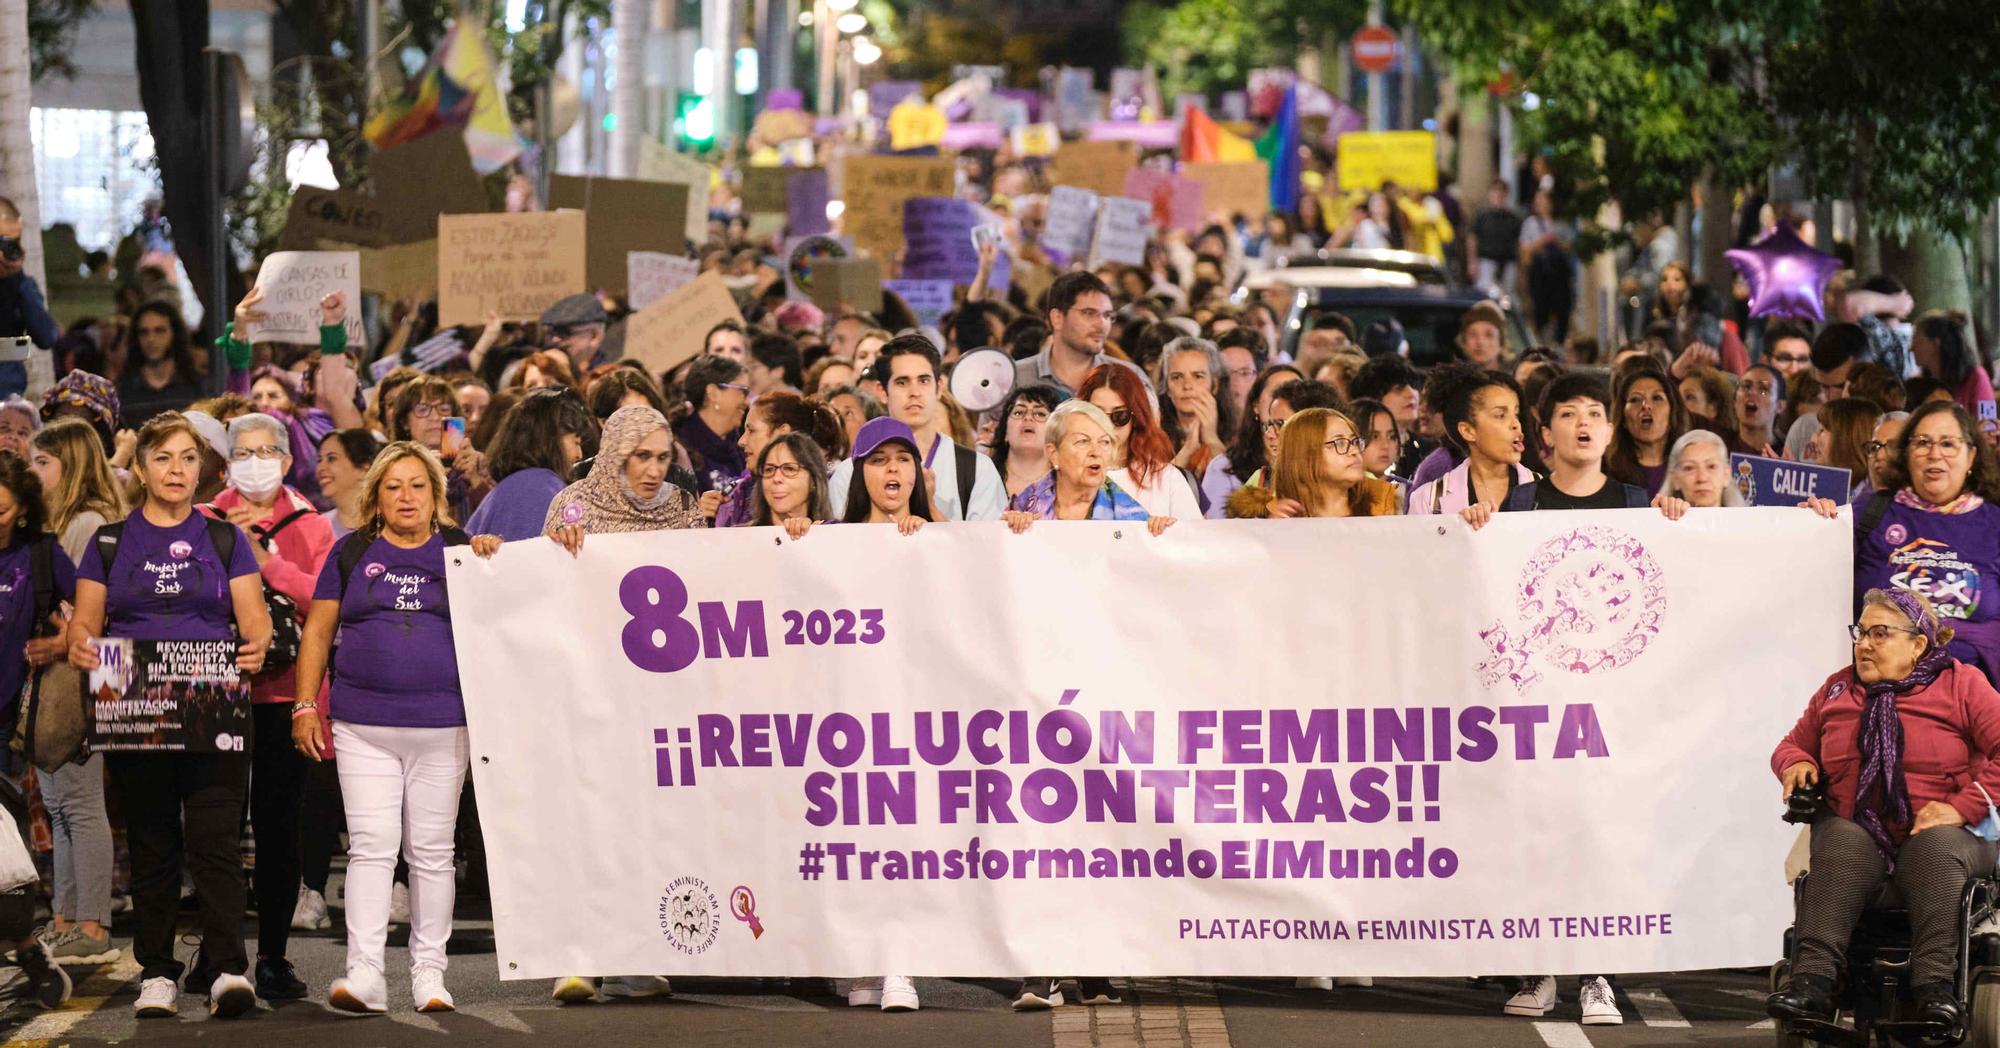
x=293, y=283
x=1071, y=213
x=1123, y=227
x=1400, y=746
x=653, y=275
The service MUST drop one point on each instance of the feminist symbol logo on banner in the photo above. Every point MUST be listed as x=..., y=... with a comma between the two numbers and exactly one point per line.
x=1590, y=599
x=743, y=904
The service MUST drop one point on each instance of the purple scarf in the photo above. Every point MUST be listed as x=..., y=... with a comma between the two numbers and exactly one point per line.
x=1883, y=796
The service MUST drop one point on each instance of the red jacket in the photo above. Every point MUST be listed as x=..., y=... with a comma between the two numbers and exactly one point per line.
x=1951, y=737
x=292, y=571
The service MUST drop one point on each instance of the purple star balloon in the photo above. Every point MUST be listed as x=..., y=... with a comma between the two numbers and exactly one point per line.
x=1787, y=276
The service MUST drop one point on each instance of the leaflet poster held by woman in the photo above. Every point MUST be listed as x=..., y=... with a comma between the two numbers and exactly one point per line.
x=168, y=695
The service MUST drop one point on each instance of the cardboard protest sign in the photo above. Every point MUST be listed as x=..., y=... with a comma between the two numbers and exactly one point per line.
x=673, y=328
x=852, y=282
x=766, y=189
x=179, y=696
x=780, y=125
x=875, y=188
x=1123, y=227
x=1783, y=482
x=806, y=195
x=914, y=125
x=657, y=163
x=621, y=216
x=419, y=181
x=1369, y=158
x=1177, y=202
x=400, y=270
x=340, y=215
x=1235, y=188
x=1072, y=212
x=930, y=300
x=651, y=276
x=293, y=282
x=515, y=265
x=1097, y=166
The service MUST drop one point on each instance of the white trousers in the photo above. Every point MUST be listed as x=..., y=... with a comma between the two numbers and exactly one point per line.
x=400, y=786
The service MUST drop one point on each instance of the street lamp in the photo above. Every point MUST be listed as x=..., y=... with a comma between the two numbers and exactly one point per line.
x=866, y=52
x=852, y=22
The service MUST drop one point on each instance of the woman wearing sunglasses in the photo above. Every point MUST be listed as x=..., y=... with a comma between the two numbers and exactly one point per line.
x=1317, y=473
x=1142, y=464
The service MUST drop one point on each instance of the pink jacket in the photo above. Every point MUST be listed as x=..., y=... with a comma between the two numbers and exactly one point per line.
x=1951, y=736
x=293, y=571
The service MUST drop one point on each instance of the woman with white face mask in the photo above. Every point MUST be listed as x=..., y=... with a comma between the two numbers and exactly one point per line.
x=291, y=541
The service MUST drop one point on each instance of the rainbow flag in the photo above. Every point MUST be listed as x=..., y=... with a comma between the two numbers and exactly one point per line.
x=456, y=89
x=1280, y=147
x=1204, y=141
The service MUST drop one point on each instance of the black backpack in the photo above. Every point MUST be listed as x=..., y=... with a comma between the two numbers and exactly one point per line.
x=286, y=620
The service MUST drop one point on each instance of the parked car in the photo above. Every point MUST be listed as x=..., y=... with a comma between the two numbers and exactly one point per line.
x=1365, y=286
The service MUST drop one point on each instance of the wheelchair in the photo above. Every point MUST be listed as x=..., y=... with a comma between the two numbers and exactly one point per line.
x=1872, y=993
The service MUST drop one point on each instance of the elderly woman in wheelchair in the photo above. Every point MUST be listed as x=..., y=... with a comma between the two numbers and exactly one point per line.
x=1898, y=744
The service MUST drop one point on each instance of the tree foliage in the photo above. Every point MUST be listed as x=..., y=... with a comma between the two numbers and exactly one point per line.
x=52, y=27
x=1209, y=46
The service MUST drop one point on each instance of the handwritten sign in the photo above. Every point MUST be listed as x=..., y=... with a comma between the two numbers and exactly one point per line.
x=1123, y=227
x=515, y=265
x=1097, y=166
x=766, y=190
x=622, y=216
x=651, y=276
x=875, y=189
x=1366, y=159
x=1783, y=482
x=657, y=163
x=1072, y=212
x=930, y=300
x=1177, y=202
x=339, y=215
x=293, y=283
x=914, y=125
x=673, y=328
x=1234, y=188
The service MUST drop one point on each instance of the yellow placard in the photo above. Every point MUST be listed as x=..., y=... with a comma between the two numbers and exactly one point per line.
x=1037, y=139
x=1369, y=158
x=914, y=125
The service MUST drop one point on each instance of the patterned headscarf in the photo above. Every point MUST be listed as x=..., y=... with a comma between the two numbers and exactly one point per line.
x=604, y=503
x=81, y=389
x=1882, y=796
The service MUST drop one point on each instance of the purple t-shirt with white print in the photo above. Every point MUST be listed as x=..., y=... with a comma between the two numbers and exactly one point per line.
x=395, y=666
x=168, y=583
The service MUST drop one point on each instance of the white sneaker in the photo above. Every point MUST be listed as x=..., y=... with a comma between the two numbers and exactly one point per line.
x=1535, y=999
x=310, y=914
x=573, y=989
x=428, y=992
x=399, y=904
x=1600, y=1006
x=865, y=993
x=638, y=986
x=899, y=994
x=1313, y=982
x=362, y=991
x=159, y=998
x=230, y=996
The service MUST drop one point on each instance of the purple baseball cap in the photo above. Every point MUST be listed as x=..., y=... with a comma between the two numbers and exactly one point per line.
x=879, y=431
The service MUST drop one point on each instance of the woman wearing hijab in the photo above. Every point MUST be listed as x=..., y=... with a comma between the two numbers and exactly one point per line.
x=626, y=490
x=1899, y=741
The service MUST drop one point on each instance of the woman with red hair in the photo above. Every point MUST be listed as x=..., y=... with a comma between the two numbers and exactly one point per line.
x=1145, y=454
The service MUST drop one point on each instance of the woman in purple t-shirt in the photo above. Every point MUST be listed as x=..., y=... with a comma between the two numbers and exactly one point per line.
x=167, y=580
x=1934, y=529
x=398, y=719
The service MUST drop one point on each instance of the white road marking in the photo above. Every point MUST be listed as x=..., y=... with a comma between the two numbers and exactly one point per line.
x=1563, y=1035
x=1655, y=1009
x=498, y=1016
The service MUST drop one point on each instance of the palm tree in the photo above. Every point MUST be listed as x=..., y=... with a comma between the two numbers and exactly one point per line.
x=17, y=150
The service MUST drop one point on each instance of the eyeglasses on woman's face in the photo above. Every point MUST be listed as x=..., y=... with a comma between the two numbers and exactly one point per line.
x=431, y=410
x=1347, y=445
x=1029, y=414
x=1949, y=447
x=268, y=452
x=787, y=470
x=1878, y=634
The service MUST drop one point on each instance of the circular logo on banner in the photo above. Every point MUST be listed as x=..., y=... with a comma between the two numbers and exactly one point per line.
x=688, y=915
x=180, y=550
x=374, y=569
x=1590, y=600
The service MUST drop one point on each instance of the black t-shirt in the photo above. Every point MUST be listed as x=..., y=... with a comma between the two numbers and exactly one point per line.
x=1498, y=230
x=1610, y=496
